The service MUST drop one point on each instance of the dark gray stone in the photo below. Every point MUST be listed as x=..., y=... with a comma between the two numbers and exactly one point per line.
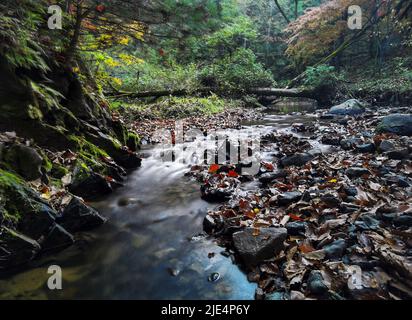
x=77, y=216
x=356, y=172
x=268, y=177
x=254, y=249
x=398, y=154
x=25, y=161
x=400, y=124
x=298, y=159
x=336, y=249
x=16, y=249
x=316, y=283
x=57, y=239
x=296, y=228
x=349, y=108
x=90, y=186
x=289, y=197
x=386, y=146
x=366, y=148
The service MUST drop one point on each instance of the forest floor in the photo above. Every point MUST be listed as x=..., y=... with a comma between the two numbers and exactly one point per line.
x=339, y=221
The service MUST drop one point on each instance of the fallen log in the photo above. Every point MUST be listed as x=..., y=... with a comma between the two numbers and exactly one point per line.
x=292, y=93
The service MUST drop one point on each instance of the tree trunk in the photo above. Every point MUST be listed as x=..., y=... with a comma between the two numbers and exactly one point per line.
x=76, y=35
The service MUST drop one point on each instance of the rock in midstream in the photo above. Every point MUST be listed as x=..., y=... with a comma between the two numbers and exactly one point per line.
x=254, y=248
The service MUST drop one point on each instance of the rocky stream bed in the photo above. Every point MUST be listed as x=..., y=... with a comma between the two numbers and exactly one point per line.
x=329, y=206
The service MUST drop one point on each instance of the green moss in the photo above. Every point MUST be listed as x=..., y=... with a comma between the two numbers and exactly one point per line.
x=58, y=171
x=9, y=185
x=87, y=148
x=47, y=164
x=133, y=141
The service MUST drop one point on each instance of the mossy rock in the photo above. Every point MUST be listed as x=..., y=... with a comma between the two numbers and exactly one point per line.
x=15, y=248
x=23, y=208
x=58, y=171
x=24, y=160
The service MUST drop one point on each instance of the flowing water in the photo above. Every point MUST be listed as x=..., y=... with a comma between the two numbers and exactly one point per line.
x=150, y=248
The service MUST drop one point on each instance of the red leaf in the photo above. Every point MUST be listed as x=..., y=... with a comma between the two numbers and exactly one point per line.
x=233, y=174
x=101, y=8
x=213, y=168
x=295, y=217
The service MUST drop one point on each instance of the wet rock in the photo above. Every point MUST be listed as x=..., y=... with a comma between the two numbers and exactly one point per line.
x=212, y=224
x=356, y=172
x=57, y=239
x=296, y=228
x=268, y=177
x=77, y=216
x=289, y=197
x=25, y=161
x=403, y=221
x=398, y=180
x=37, y=220
x=213, y=277
x=398, y=154
x=386, y=146
x=90, y=185
x=349, y=143
x=366, y=148
x=298, y=159
x=15, y=248
x=259, y=294
x=350, y=191
x=316, y=283
x=367, y=223
x=400, y=124
x=331, y=200
x=215, y=194
x=256, y=248
x=336, y=249
x=349, y=108
x=125, y=201
x=331, y=140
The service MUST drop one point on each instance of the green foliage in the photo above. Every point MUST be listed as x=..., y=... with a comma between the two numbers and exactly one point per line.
x=321, y=75
x=233, y=36
x=19, y=43
x=148, y=77
x=238, y=71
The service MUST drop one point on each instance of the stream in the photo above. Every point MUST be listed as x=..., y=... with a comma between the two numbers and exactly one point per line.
x=151, y=247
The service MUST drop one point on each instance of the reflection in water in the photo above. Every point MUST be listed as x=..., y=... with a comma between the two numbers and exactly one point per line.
x=145, y=251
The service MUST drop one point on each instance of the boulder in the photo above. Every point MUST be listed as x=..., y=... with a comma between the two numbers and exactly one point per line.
x=298, y=159
x=253, y=248
x=77, y=216
x=90, y=185
x=349, y=108
x=57, y=239
x=212, y=224
x=25, y=161
x=400, y=124
x=15, y=248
